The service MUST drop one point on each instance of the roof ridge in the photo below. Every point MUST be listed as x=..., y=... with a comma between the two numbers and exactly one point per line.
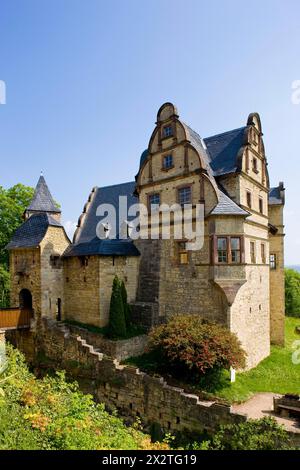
x=116, y=184
x=226, y=132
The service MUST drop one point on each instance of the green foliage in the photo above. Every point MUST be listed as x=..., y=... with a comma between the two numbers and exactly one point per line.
x=193, y=346
x=13, y=202
x=127, y=308
x=292, y=292
x=276, y=373
x=4, y=287
x=117, y=324
x=51, y=413
x=260, y=434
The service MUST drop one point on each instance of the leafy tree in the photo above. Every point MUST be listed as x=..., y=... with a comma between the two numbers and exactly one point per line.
x=191, y=345
x=117, y=324
x=127, y=308
x=254, y=434
x=13, y=202
x=292, y=292
x=4, y=287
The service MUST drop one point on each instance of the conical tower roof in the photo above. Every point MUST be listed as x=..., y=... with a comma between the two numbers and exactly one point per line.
x=42, y=200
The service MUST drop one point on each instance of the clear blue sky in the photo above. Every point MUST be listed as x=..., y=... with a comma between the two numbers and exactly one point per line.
x=85, y=79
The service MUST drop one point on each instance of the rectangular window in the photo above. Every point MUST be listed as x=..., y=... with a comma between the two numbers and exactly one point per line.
x=182, y=253
x=263, y=253
x=235, y=243
x=261, y=205
x=168, y=162
x=168, y=131
x=222, y=250
x=273, y=261
x=153, y=201
x=249, y=199
x=255, y=167
x=185, y=195
x=252, y=252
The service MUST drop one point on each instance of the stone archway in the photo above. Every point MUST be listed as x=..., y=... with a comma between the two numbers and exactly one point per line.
x=25, y=299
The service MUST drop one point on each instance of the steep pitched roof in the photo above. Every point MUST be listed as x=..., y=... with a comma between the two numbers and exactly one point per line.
x=87, y=242
x=223, y=149
x=226, y=206
x=32, y=231
x=42, y=200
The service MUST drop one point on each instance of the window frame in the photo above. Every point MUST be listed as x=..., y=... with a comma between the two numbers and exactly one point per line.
x=229, y=261
x=149, y=200
x=182, y=251
x=273, y=264
x=252, y=253
x=263, y=253
x=261, y=205
x=255, y=165
x=167, y=126
x=180, y=188
x=249, y=199
x=164, y=157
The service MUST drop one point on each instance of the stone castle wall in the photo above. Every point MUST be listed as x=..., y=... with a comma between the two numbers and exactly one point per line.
x=132, y=393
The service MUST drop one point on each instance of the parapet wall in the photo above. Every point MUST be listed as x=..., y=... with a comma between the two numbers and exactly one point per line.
x=126, y=389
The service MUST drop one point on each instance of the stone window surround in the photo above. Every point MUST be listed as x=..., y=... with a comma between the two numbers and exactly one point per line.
x=273, y=261
x=167, y=126
x=214, y=249
x=182, y=251
x=184, y=186
x=149, y=195
x=163, y=159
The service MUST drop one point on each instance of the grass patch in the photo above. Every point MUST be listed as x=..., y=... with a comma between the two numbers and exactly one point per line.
x=275, y=374
x=133, y=330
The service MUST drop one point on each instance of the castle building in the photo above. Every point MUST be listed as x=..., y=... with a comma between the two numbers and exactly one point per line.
x=236, y=278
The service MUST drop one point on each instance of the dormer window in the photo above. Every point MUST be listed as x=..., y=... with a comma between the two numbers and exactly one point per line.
x=167, y=162
x=167, y=131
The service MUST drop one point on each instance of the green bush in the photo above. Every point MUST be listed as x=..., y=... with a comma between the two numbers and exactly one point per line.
x=51, y=413
x=260, y=434
x=127, y=308
x=292, y=292
x=117, y=324
x=191, y=345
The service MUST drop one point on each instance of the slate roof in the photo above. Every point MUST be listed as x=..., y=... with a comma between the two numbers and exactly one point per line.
x=32, y=231
x=103, y=248
x=275, y=197
x=42, y=200
x=223, y=149
x=226, y=206
x=219, y=151
x=87, y=242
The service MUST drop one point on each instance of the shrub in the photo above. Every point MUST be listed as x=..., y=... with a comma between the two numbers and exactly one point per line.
x=117, y=324
x=292, y=292
x=190, y=344
x=258, y=434
x=51, y=413
x=126, y=306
